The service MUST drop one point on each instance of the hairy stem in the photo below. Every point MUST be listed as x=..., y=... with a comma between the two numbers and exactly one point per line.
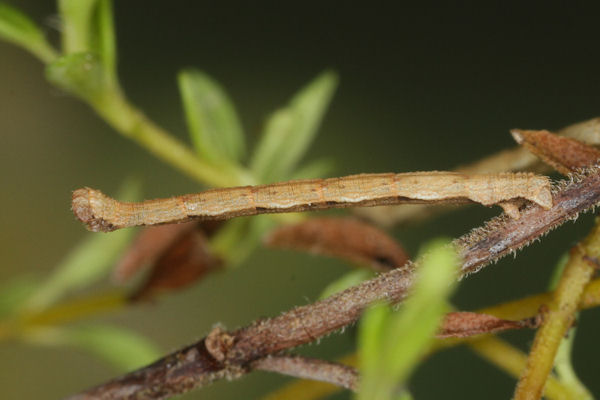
x=559, y=316
x=230, y=354
x=520, y=309
x=310, y=368
x=513, y=361
x=517, y=159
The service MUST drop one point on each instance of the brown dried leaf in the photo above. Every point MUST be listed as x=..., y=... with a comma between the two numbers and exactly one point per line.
x=464, y=324
x=345, y=238
x=186, y=260
x=149, y=245
x=563, y=154
x=517, y=159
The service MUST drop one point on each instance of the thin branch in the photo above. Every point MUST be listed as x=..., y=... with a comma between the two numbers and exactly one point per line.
x=130, y=122
x=517, y=159
x=309, y=389
x=310, y=368
x=230, y=354
x=513, y=361
x=510, y=360
x=503, y=235
x=559, y=316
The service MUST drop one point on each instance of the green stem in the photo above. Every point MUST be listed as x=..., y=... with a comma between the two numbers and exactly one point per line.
x=132, y=123
x=559, y=316
x=43, y=51
x=513, y=361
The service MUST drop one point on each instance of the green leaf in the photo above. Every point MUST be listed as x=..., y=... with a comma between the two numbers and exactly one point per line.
x=268, y=158
x=76, y=16
x=415, y=325
x=213, y=123
x=123, y=348
x=80, y=74
x=392, y=344
x=14, y=293
x=373, y=325
x=350, y=279
x=289, y=131
x=239, y=237
x=87, y=262
x=17, y=28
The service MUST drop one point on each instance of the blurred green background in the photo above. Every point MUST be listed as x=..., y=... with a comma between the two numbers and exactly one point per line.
x=421, y=88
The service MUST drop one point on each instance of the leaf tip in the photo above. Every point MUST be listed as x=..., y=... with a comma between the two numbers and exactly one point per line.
x=517, y=134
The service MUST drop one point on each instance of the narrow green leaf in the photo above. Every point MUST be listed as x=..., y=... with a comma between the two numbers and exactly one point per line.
x=350, y=279
x=391, y=350
x=235, y=241
x=372, y=328
x=123, y=348
x=289, y=131
x=17, y=28
x=15, y=292
x=267, y=160
x=414, y=327
x=86, y=263
x=80, y=74
x=76, y=16
x=213, y=123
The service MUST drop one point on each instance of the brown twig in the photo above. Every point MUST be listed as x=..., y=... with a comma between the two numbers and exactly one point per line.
x=502, y=235
x=498, y=352
x=310, y=368
x=517, y=159
x=231, y=354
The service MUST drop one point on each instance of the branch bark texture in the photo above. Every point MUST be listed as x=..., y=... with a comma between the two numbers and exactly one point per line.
x=231, y=354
